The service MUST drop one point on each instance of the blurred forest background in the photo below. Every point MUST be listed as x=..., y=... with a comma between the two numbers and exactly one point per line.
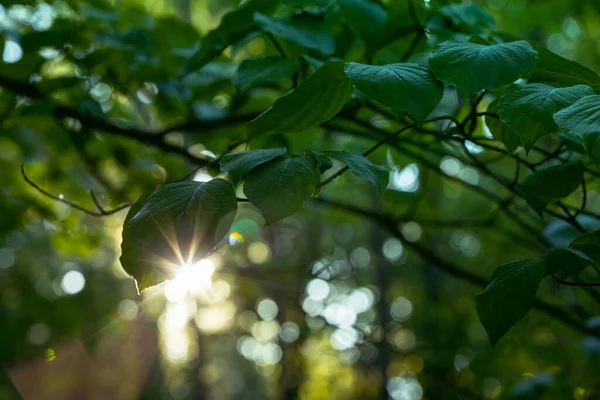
x=325, y=304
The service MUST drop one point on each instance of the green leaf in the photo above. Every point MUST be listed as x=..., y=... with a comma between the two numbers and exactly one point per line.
x=266, y=70
x=234, y=26
x=324, y=163
x=471, y=67
x=469, y=17
x=581, y=120
x=310, y=32
x=509, y=296
x=361, y=166
x=406, y=87
x=564, y=263
x=589, y=244
x=557, y=71
x=316, y=100
x=502, y=132
x=237, y=165
x=176, y=224
x=529, y=109
x=364, y=17
x=280, y=187
x=552, y=184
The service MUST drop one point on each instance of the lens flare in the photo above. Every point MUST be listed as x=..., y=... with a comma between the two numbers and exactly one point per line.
x=194, y=279
x=235, y=238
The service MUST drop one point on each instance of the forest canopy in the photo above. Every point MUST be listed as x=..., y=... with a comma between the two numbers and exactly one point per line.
x=313, y=199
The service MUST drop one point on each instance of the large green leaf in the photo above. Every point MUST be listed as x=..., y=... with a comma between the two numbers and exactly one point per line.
x=471, y=67
x=280, y=187
x=552, y=184
x=237, y=165
x=265, y=70
x=509, y=296
x=529, y=109
x=361, y=166
x=557, y=71
x=365, y=17
x=178, y=223
x=581, y=120
x=564, y=263
x=310, y=32
x=502, y=132
x=234, y=25
x=316, y=100
x=406, y=87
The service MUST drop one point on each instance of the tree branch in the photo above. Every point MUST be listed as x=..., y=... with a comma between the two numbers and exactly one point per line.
x=438, y=262
x=100, y=213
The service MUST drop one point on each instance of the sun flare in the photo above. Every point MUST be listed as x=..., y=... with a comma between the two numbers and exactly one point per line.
x=194, y=279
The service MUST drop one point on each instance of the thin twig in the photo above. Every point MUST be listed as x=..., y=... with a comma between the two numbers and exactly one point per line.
x=413, y=45
x=100, y=213
x=580, y=284
x=379, y=144
x=428, y=255
x=583, y=200
x=97, y=203
x=278, y=47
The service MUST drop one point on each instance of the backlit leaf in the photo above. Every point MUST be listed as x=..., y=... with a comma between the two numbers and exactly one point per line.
x=176, y=224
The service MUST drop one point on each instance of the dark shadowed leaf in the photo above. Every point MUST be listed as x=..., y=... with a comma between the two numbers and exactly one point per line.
x=471, y=67
x=365, y=17
x=270, y=69
x=406, y=87
x=280, y=187
x=589, y=244
x=552, y=184
x=307, y=31
x=361, y=166
x=555, y=70
x=324, y=163
x=237, y=165
x=176, y=224
x=565, y=263
x=316, y=100
x=467, y=17
x=509, y=296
